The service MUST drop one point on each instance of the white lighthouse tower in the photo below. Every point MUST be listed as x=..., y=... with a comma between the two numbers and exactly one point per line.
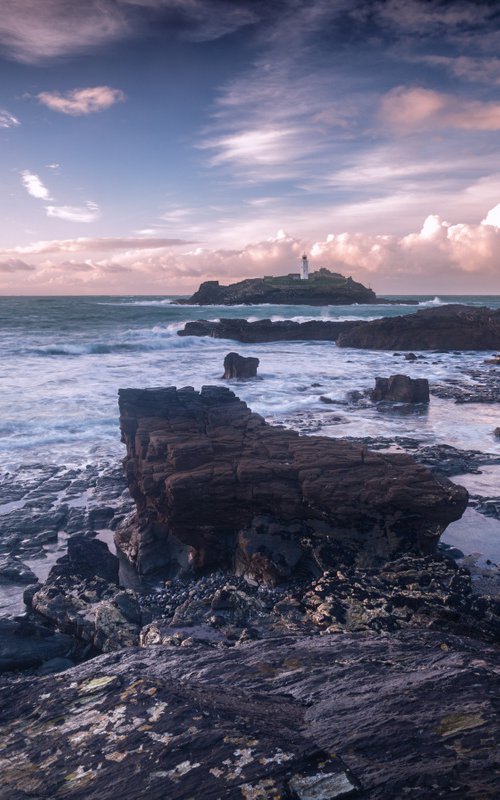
x=304, y=274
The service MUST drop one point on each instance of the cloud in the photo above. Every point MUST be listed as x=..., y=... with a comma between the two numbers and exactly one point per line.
x=416, y=108
x=7, y=120
x=104, y=245
x=78, y=102
x=90, y=212
x=15, y=265
x=33, y=31
x=34, y=185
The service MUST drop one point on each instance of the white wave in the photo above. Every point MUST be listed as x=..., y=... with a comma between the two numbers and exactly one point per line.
x=165, y=302
x=436, y=301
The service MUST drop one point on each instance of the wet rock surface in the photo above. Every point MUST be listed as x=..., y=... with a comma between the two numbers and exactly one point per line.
x=240, y=367
x=411, y=715
x=454, y=327
x=401, y=389
x=25, y=644
x=217, y=487
x=264, y=330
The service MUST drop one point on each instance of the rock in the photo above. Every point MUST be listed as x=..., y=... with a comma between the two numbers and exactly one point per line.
x=92, y=611
x=493, y=360
x=401, y=389
x=496, y=433
x=55, y=665
x=25, y=644
x=322, y=288
x=263, y=330
x=451, y=327
x=88, y=558
x=13, y=570
x=410, y=357
x=240, y=367
x=294, y=716
x=215, y=486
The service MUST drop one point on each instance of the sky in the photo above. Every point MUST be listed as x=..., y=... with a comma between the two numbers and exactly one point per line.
x=148, y=145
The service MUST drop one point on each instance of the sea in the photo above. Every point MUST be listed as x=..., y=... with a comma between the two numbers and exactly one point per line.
x=63, y=360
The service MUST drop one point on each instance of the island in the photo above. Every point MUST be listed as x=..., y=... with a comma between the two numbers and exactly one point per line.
x=319, y=288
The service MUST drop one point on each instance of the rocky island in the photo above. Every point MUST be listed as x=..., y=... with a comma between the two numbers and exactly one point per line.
x=321, y=288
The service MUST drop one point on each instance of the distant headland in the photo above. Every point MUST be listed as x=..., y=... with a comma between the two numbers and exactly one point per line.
x=315, y=289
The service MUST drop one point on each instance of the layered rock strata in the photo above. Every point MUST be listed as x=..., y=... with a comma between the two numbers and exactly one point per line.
x=413, y=716
x=215, y=486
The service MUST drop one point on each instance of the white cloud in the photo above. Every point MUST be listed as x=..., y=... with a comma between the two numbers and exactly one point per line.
x=88, y=213
x=7, y=120
x=439, y=258
x=78, y=102
x=31, y=30
x=34, y=185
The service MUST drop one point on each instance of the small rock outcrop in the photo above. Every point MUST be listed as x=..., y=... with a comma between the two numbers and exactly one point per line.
x=401, y=389
x=241, y=367
x=215, y=486
x=322, y=288
x=264, y=330
x=451, y=327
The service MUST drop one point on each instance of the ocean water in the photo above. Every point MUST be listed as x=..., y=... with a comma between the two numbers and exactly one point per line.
x=63, y=359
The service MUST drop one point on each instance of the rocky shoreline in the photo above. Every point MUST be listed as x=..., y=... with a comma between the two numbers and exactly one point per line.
x=450, y=327
x=251, y=584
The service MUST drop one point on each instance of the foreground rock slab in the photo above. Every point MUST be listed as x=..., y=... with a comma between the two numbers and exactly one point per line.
x=217, y=487
x=451, y=327
x=292, y=718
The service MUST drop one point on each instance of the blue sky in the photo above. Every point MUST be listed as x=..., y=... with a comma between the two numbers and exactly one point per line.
x=146, y=145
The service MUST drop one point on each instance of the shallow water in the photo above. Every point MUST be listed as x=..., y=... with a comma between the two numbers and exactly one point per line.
x=62, y=361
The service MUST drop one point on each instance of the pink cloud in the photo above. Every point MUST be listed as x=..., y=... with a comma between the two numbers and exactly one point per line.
x=78, y=102
x=416, y=108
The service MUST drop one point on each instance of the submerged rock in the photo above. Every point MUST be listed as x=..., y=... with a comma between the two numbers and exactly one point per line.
x=411, y=715
x=217, y=487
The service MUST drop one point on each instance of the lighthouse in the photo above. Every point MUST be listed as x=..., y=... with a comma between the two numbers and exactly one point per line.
x=304, y=274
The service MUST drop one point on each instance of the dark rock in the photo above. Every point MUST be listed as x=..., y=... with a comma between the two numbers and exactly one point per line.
x=450, y=327
x=291, y=717
x=401, y=389
x=496, y=433
x=410, y=357
x=263, y=330
x=322, y=288
x=217, y=487
x=55, y=665
x=88, y=558
x=13, y=570
x=25, y=644
x=241, y=367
